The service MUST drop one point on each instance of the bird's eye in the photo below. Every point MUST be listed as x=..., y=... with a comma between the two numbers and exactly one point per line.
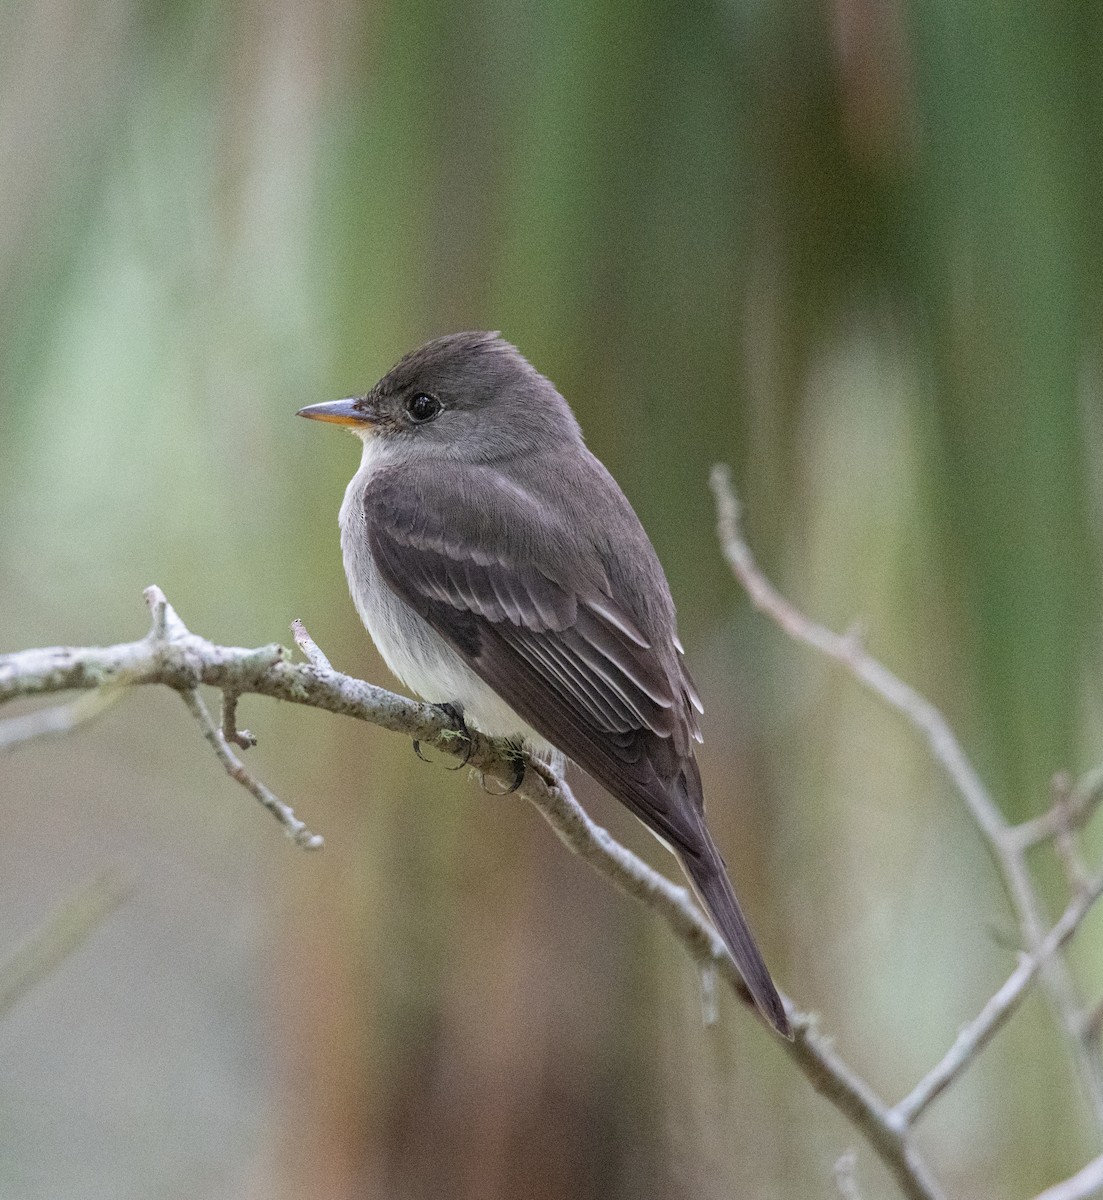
x=423, y=407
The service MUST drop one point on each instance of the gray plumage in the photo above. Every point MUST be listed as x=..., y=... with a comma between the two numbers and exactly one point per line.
x=499, y=567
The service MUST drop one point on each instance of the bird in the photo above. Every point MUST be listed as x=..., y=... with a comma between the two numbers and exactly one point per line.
x=504, y=575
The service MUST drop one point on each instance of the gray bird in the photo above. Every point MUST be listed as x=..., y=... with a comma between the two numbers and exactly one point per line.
x=500, y=570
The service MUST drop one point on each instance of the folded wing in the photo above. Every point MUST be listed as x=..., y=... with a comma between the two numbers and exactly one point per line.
x=533, y=617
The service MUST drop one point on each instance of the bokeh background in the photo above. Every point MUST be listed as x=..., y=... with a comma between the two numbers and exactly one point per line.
x=852, y=248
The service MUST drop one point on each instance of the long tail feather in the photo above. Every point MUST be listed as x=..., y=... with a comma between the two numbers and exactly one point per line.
x=710, y=879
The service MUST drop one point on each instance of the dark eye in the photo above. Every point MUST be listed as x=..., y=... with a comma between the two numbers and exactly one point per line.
x=423, y=407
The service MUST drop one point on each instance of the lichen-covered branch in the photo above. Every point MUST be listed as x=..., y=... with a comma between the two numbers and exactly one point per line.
x=173, y=656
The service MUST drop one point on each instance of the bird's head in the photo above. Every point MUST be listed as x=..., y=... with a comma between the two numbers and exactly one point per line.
x=467, y=396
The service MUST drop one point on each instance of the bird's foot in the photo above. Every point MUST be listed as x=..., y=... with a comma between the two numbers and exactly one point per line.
x=514, y=753
x=454, y=712
x=458, y=732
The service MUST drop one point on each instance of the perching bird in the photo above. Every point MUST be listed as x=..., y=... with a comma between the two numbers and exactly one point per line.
x=501, y=570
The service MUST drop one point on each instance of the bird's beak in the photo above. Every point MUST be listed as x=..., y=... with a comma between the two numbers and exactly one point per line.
x=338, y=412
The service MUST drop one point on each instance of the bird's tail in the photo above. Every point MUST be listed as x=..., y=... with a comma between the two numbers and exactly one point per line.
x=709, y=875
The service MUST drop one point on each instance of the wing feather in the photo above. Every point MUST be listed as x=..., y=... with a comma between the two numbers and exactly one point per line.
x=534, y=618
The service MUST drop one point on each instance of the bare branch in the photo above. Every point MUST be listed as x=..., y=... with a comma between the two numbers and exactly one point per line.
x=167, y=626
x=991, y=1018
x=309, y=647
x=293, y=827
x=1083, y=1185
x=847, y=649
x=239, y=737
x=172, y=656
x=1066, y=841
x=1004, y=842
x=812, y=1052
x=1079, y=807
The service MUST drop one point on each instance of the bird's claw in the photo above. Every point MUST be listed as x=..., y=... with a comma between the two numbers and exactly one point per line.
x=519, y=763
x=519, y=767
x=454, y=713
x=468, y=751
x=459, y=729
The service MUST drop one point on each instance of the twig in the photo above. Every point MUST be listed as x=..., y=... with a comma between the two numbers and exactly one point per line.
x=172, y=656
x=309, y=647
x=1066, y=842
x=812, y=1052
x=1086, y=1183
x=239, y=737
x=294, y=828
x=167, y=626
x=1082, y=802
x=62, y=934
x=848, y=650
x=1003, y=842
x=991, y=1018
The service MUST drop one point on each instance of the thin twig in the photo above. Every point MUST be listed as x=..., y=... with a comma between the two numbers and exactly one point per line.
x=1081, y=804
x=995, y=1013
x=294, y=828
x=1066, y=842
x=239, y=737
x=1003, y=842
x=167, y=626
x=309, y=646
x=1086, y=1183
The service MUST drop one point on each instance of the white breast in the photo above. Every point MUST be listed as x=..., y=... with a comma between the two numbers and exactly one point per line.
x=415, y=653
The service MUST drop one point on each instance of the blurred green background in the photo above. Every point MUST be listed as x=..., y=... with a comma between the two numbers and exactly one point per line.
x=851, y=247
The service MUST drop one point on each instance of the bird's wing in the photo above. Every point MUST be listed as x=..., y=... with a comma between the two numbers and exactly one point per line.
x=529, y=609
x=529, y=606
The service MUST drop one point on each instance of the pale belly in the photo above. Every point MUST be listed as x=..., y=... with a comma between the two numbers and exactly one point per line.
x=415, y=653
